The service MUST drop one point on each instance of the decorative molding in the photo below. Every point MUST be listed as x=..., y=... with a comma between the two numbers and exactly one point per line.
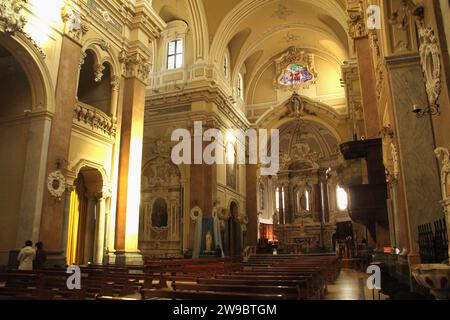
x=443, y=154
x=11, y=18
x=82, y=58
x=282, y=12
x=430, y=56
x=56, y=184
x=105, y=45
x=12, y=21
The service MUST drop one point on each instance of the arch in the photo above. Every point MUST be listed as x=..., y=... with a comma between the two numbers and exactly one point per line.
x=200, y=29
x=83, y=163
x=234, y=209
x=103, y=53
x=275, y=117
x=159, y=216
x=37, y=72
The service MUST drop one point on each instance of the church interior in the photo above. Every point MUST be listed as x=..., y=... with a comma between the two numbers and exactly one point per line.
x=94, y=93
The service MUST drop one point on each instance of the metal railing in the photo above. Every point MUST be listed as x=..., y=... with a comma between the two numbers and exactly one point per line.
x=433, y=242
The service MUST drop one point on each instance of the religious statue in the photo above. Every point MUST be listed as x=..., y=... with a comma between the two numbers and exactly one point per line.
x=208, y=242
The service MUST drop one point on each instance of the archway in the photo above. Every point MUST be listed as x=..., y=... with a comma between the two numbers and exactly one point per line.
x=233, y=234
x=95, y=83
x=23, y=145
x=86, y=229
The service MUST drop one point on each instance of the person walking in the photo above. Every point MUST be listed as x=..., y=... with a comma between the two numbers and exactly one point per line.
x=26, y=256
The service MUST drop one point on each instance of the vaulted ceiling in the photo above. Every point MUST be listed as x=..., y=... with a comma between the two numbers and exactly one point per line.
x=256, y=32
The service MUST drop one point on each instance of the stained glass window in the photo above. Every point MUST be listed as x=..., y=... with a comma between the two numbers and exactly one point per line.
x=295, y=74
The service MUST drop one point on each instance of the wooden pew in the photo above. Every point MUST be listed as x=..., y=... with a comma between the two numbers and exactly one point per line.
x=290, y=292
x=205, y=295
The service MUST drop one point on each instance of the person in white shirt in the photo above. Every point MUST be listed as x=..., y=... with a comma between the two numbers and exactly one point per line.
x=26, y=256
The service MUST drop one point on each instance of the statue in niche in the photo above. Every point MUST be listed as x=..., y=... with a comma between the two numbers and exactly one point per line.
x=208, y=242
x=159, y=213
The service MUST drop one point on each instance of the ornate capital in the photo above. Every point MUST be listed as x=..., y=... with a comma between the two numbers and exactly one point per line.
x=135, y=65
x=357, y=27
x=74, y=25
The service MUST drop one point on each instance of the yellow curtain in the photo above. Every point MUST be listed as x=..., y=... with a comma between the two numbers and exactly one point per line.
x=74, y=218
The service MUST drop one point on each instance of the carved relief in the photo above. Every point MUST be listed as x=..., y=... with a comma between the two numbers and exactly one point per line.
x=135, y=65
x=13, y=22
x=282, y=12
x=98, y=72
x=11, y=17
x=161, y=203
x=75, y=27
x=430, y=57
x=356, y=22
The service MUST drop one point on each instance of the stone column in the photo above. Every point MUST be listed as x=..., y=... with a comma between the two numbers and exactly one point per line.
x=252, y=204
x=287, y=198
x=115, y=86
x=129, y=186
x=317, y=202
x=280, y=202
x=92, y=211
x=34, y=177
x=65, y=228
x=59, y=142
x=99, y=243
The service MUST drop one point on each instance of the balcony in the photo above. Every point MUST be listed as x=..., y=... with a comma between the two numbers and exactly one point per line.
x=94, y=120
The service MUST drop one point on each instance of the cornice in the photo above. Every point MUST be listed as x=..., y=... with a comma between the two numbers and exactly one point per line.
x=206, y=94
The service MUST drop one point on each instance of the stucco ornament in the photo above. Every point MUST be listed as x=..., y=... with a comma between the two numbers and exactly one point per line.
x=11, y=17
x=196, y=213
x=56, y=184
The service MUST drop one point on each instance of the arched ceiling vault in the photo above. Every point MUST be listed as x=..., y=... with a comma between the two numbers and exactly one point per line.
x=271, y=27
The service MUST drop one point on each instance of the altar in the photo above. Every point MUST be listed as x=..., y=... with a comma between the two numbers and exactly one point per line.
x=297, y=238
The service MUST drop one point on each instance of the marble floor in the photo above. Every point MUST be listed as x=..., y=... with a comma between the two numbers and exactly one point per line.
x=351, y=285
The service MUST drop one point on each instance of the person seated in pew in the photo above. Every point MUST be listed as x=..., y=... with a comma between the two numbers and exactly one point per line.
x=26, y=256
x=41, y=256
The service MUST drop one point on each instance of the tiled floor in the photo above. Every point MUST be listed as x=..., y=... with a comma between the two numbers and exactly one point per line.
x=351, y=285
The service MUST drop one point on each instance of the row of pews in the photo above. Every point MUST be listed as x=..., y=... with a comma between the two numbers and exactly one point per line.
x=299, y=278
